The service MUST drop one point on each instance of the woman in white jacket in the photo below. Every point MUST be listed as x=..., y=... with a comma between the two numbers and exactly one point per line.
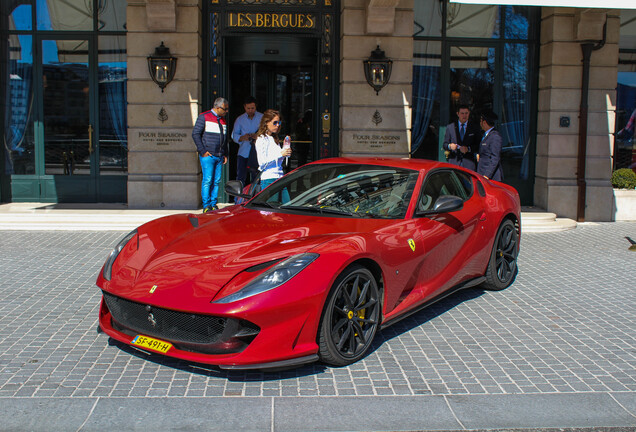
x=270, y=154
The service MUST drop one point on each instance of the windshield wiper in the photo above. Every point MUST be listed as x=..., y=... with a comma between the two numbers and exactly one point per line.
x=321, y=210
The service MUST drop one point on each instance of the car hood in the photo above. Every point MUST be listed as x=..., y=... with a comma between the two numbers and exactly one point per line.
x=194, y=256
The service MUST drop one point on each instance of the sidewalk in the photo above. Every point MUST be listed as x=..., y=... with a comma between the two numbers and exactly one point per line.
x=556, y=351
x=118, y=217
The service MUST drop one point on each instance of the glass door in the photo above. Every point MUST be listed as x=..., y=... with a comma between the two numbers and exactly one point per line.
x=292, y=95
x=285, y=88
x=67, y=132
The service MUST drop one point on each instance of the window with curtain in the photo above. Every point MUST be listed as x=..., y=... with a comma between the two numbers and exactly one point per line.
x=514, y=124
x=482, y=56
x=625, y=142
x=426, y=98
x=18, y=134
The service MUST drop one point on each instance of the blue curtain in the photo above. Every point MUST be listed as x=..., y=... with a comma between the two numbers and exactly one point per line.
x=425, y=94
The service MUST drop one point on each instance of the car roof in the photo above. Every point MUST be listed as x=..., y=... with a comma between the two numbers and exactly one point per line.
x=406, y=163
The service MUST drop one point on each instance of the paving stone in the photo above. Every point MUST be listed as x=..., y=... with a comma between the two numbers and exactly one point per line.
x=566, y=325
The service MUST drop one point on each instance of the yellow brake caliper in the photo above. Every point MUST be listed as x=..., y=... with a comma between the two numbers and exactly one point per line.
x=360, y=313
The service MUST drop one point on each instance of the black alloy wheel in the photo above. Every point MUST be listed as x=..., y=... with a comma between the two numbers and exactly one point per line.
x=350, y=318
x=502, y=267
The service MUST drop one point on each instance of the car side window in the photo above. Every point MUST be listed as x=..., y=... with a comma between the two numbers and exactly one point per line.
x=466, y=183
x=446, y=182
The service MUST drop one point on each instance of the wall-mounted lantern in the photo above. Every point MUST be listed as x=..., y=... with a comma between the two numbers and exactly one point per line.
x=377, y=69
x=162, y=66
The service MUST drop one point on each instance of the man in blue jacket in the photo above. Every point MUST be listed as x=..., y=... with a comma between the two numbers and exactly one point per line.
x=210, y=136
x=490, y=148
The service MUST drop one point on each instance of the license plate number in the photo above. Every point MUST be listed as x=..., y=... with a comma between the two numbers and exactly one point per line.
x=151, y=343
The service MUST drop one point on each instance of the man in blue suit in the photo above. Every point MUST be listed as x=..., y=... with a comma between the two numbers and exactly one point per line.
x=461, y=140
x=490, y=148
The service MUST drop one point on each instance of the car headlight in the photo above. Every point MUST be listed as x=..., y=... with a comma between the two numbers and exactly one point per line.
x=108, y=267
x=272, y=278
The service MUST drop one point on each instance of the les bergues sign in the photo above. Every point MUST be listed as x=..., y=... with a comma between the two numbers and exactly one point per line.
x=271, y=20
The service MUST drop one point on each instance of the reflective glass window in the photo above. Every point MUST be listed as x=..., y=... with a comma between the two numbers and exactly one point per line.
x=64, y=14
x=475, y=21
x=111, y=15
x=428, y=18
x=18, y=134
x=514, y=122
x=625, y=143
x=21, y=17
x=65, y=100
x=472, y=77
x=517, y=22
x=113, y=138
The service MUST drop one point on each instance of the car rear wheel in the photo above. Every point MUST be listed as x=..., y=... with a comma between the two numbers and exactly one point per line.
x=502, y=267
x=350, y=318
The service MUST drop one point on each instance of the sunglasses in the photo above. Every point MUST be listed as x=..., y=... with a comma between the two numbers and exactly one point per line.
x=276, y=123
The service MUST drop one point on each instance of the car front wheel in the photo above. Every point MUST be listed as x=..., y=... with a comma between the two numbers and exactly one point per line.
x=502, y=267
x=350, y=318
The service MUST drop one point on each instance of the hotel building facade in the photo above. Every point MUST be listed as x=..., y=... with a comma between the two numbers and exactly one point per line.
x=84, y=121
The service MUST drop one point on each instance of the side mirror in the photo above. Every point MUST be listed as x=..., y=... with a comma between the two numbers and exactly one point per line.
x=235, y=188
x=444, y=204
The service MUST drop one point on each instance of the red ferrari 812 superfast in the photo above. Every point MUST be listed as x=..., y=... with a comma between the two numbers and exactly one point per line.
x=312, y=266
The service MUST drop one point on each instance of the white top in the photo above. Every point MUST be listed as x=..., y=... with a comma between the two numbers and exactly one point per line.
x=270, y=157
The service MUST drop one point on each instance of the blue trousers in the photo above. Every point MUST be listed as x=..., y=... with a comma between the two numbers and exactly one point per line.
x=211, y=169
x=283, y=196
x=241, y=169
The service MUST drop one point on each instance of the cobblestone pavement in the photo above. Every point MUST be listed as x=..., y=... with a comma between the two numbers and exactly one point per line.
x=567, y=326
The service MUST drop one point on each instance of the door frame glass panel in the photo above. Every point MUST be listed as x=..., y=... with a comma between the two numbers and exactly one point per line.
x=66, y=106
x=112, y=127
x=74, y=177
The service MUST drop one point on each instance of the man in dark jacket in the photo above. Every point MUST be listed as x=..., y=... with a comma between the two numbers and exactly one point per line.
x=210, y=136
x=461, y=140
x=490, y=148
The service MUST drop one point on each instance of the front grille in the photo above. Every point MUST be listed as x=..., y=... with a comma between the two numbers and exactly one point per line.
x=191, y=332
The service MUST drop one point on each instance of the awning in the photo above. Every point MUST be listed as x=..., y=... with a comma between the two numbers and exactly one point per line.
x=583, y=4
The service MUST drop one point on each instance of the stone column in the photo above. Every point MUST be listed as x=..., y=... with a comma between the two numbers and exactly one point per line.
x=162, y=162
x=560, y=79
x=370, y=124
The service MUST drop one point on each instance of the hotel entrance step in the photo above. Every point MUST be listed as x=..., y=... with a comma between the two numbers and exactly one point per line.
x=537, y=221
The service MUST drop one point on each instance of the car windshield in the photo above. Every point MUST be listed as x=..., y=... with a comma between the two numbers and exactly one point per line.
x=342, y=190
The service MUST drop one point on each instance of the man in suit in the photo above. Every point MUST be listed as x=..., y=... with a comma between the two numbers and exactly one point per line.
x=489, y=156
x=461, y=140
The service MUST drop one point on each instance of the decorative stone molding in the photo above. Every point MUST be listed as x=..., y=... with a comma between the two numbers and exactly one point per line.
x=381, y=17
x=161, y=15
x=589, y=25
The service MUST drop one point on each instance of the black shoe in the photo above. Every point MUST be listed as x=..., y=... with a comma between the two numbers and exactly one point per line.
x=206, y=209
x=214, y=207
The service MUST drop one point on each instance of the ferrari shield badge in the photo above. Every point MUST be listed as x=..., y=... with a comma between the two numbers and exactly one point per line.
x=412, y=244
x=152, y=290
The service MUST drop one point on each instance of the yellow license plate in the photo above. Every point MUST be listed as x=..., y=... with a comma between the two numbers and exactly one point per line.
x=151, y=343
